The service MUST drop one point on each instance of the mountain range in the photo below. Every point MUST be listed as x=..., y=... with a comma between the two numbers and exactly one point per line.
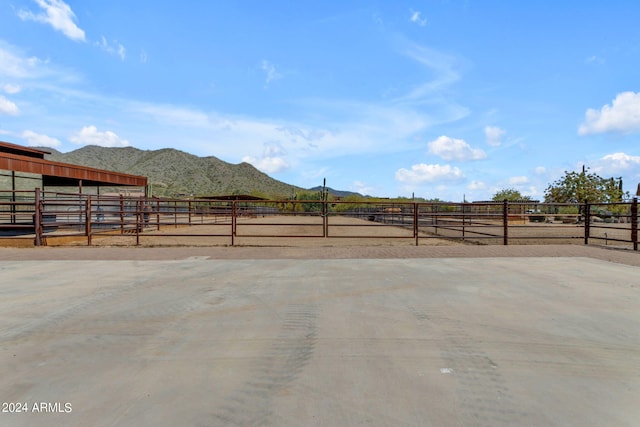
x=173, y=172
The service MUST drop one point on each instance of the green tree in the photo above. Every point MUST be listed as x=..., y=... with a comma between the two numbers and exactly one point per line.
x=349, y=203
x=576, y=187
x=316, y=197
x=511, y=195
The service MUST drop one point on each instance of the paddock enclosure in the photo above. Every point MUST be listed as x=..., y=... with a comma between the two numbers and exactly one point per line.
x=48, y=218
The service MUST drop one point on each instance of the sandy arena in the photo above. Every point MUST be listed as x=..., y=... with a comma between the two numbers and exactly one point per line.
x=321, y=336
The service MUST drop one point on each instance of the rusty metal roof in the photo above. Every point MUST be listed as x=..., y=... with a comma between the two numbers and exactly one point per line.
x=7, y=147
x=29, y=160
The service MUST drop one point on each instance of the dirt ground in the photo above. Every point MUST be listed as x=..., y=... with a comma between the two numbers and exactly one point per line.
x=304, y=231
x=307, y=232
x=290, y=231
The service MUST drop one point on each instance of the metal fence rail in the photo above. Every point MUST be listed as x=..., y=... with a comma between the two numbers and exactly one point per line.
x=46, y=215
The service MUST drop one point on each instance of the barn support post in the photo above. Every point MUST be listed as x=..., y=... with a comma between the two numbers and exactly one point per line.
x=634, y=223
x=505, y=222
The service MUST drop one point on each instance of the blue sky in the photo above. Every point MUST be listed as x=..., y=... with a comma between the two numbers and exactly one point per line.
x=444, y=99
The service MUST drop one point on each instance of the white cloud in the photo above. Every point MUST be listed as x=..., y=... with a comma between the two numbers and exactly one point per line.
x=622, y=116
x=359, y=128
x=58, y=14
x=178, y=116
x=38, y=73
x=518, y=180
x=443, y=67
x=112, y=49
x=362, y=188
x=38, y=140
x=272, y=160
x=268, y=164
x=8, y=107
x=540, y=170
x=494, y=135
x=89, y=135
x=454, y=149
x=11, y=88
x=416, y=18
x=476, y=185
x=270, y=71
x=15, y=66
x=423, y=173
x=143, y=56
x=617, y=163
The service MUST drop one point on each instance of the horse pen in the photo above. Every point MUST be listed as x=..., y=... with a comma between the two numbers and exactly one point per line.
x=40, y=218
x=201, y=312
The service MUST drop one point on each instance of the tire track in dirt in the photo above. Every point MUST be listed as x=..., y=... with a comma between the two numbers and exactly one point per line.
x=479, y=383
x=160, y=302
x=282, y=364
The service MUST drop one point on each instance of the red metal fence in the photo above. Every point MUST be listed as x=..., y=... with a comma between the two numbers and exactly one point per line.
x=44, y=216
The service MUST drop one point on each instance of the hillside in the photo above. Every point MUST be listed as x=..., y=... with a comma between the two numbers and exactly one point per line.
x=339, y=193
x=172, y=172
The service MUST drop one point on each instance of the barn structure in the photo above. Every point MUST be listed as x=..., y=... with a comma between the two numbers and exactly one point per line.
x=25, y=168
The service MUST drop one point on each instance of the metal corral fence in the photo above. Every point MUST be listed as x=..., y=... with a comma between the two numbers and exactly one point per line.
x=47, y=216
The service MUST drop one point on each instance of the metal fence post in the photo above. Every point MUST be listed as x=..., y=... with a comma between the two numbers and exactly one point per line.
x=138, y=222
x=416, y=230
x=37, y=218
x=87, y=223
x=587, y=221
x=463, y=219
x=233, y=222
x=121, y=214
x=505, y=222
x=634, y=223
x=434, y=211
x=157, y=207
x=175, y=214
x=324, y=216
x=13, y=197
